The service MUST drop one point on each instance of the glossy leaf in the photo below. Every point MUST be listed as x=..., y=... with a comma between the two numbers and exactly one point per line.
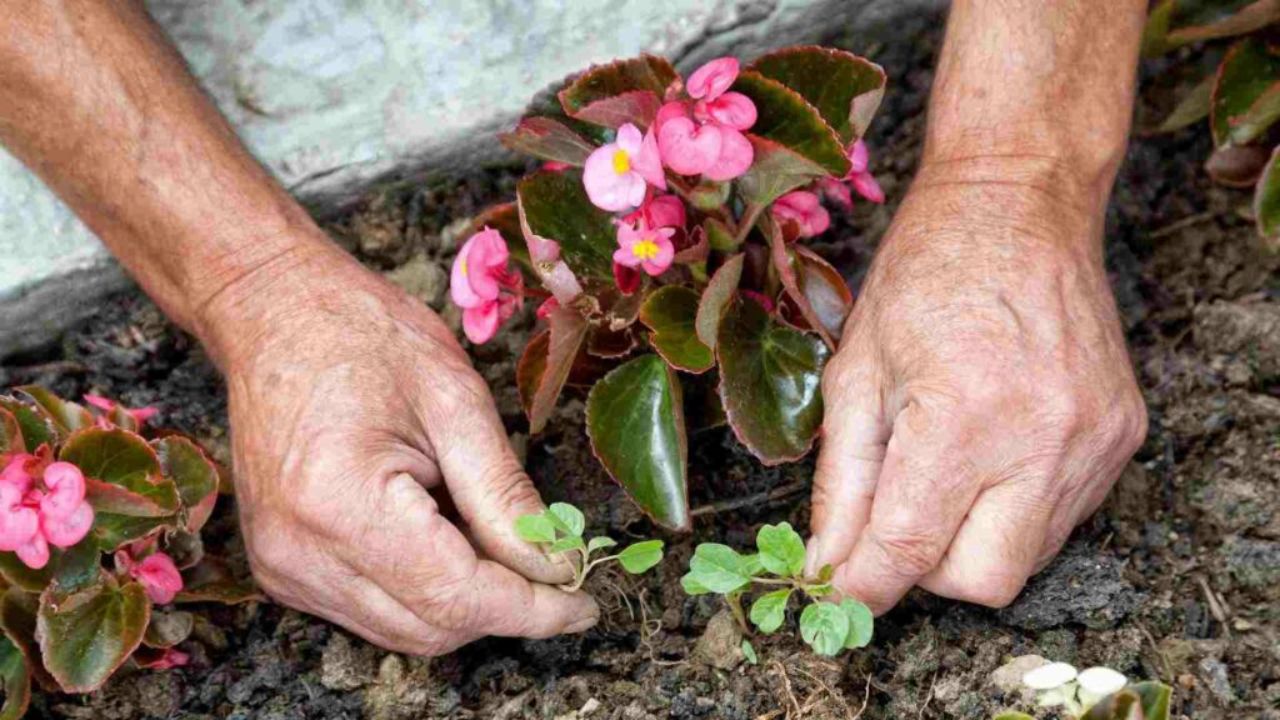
x=635, y=421
x=776, y=171
x=66, y=416
x=10, y=434
x=717, y=568
x=548, y=139
x=168, y=628
x=36, y=427
x=85, y=636
x=567, y=519
x=844, y=88
x=781, y=550
x=192, y=473
x=770, y=610
x=770, y=379
x=541, y=377
x=1237, y=165
x=110, y=530
x=670, y=313
x=722, y=288
x=536, y=528
x=1192, y=108
x=15, y=678
x=825, y=627
x=1173, y=23
x=622, y=91
x=787, y=265
x=122, y=473
x=824, y=289
x=1154, y=698
x=639, y=557
x=1246, y=98
x=67, y=564
x=1266, y=200
x=555, y=206
x=18, y=618
x=212, y=581
x=786, y=118
x=861, y=623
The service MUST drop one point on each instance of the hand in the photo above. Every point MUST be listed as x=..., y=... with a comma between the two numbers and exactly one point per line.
x=982, y=401
x=354, y=414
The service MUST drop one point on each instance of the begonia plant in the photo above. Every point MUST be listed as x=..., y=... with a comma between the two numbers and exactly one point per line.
x=1240, y=98
x=100, y=524
x=663, y=239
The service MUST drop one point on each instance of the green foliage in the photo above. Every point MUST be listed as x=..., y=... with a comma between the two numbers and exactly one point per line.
x=778, y=565
x=1241, y=98
x=73, y=620
x=559, y=530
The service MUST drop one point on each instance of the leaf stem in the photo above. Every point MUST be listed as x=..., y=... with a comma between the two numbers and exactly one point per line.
x=749, y=217
x=734, y=601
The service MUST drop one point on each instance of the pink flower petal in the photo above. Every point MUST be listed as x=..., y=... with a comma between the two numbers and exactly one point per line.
x=143, y=414
x=159, y=577
x=868, y=187
x=34, y=553
x=837, y=192
x=662, y=261
x=629, y=139
x=711, y=80
x=626, y=278
x=103, y=404
x=648, y=162
x=606, y=187
x=168, y=660
x=18, y=525
x=547, y=307
x=472, y=280
x=670, y=111
x=733, y=109
x=664, y=211
x=15, y=472
x=67, y=530
x=66, y=490
x=481, y=323
x=802, y=207
x=859, y=158
x=734, y=158
x=687, y=148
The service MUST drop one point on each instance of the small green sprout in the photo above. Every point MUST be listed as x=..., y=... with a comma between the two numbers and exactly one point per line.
x=559, y=529
x=827, y=627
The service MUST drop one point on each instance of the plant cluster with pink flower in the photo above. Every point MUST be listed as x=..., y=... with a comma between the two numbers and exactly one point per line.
x=662, y=241
x=99, y=525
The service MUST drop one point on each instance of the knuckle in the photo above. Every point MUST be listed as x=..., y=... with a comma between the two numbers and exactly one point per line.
x=910, y=552
x=511, y=489
x=450, y=604
x=997, y=589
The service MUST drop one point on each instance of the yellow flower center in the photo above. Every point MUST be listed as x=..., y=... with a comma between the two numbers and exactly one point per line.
x=646, y=249
x=621, y=162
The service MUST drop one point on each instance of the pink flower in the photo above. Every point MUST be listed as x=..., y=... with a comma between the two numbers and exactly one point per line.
x=616, y=175
x=157, y=574
x=170, y=658
x=658, y=212
x=859, y=178
x=488, y=292
x=555, y=166
x=106, y=405
x=649, y=249
x=706, y=139
x=547, y=307
x=803, y=209
x=34, y=515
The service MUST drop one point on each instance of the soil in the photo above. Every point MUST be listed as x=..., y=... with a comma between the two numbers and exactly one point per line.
x=1176, y=578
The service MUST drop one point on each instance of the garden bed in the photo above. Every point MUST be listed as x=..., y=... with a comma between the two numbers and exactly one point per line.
x=1176, y=577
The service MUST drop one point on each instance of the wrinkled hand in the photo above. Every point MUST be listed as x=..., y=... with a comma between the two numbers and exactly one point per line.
x=982, y=402
x=354, y=413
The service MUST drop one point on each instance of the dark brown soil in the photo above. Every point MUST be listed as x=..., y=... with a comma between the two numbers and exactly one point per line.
x=1176, y=578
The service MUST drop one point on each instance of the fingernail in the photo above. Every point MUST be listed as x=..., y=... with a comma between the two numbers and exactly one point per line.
x=583, y=624
x=813, y=556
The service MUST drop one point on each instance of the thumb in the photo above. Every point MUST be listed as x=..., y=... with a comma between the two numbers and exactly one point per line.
x=488, y=486
x=855, y=434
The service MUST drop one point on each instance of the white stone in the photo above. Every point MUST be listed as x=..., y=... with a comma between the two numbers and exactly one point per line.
x=1048, y=677
x=1101, y=681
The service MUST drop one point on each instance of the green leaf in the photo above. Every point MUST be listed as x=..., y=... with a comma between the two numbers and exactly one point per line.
x=752, y=565
x=770, y=382
x=749, y=652
x=1013, y=715
x=775, y=171
x=193, y=474
x=844, y=88
x=548, y=139
x=1173, y=23
x=824, y=289
x=639, y=557
x=635, y=421
x=567, y=519
x=670, y=313
x=692, y=586
x=786, y=118
x=1266, y=199
x=74, y=566
x=826, y=572
x=567, y=544
x=718, y=568
x=1246, y=98
x=15, y=678
x=110, y=530
x=770, y=610
x=623, y=91
x=18, y=619
x=824, y=626
x=10, y=434
x=781, y=550
x=861, y=623
x=85, y=636
x=722, y=288
x=16, y=573
x=1192, y=108
x=122, y=473
x=212, y=581
x=536, y=528
x=1116, y=706
x=168, y=628
x=65, y=416
x=36, y=428
x=1154, y=697
x=600, y=543
x=555, y=206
